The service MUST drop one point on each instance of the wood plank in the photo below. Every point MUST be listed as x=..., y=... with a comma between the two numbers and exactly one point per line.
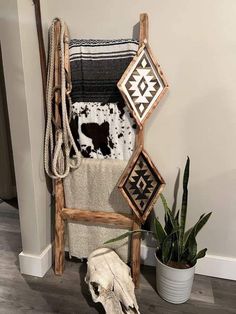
x=59, y=228
x=136, y=237
x=123, y=221
x=58, y=184
x=135, y=252
x=144, y=29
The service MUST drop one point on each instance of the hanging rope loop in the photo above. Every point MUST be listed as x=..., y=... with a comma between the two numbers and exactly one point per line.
x=58, y=137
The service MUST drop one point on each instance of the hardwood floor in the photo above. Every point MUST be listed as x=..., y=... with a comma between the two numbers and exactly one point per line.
x=69, y=293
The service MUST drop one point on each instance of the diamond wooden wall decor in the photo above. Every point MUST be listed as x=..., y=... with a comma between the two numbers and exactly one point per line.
x=143, y=84
x=141, y=183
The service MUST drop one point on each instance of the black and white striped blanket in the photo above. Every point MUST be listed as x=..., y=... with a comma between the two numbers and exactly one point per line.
x=101, y=122
x=97, y=66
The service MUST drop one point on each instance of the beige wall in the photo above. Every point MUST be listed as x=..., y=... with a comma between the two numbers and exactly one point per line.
x=25, y=106
x=195, y=43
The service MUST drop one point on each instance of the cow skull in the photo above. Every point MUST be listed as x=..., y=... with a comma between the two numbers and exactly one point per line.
x=110, y=282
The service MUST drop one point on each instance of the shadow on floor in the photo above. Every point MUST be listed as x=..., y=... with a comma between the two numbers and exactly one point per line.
x=149, y=273
x=63, y=294
x=85, y=290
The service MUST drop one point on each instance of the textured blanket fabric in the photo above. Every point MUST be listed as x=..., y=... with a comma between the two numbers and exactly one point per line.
x=105, y=133
x=101, y=124
x=93, y=186
x=104, y=130
x=97, y=66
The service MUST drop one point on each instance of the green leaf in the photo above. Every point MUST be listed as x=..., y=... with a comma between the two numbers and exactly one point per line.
x=169, y=216
x=201, y=253
x=192, y=249
x=186, y=234
x=167, y=246
x=190, y=244
x=184, y=203
x=202, y=221
x=197, y=227
x=164, y=202
x=177, y=218
x=166, y=251
x=175, y=249
x=160, y=233
x=124, y=235
x=168, y=224
x=121, y=237
x=201, y=216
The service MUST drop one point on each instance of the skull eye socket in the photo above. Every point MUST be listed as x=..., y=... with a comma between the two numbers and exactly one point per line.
x=95, y=288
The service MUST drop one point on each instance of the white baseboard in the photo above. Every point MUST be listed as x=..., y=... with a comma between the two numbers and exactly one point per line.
x=210, y=265
x=36, y=265
x=217, y=266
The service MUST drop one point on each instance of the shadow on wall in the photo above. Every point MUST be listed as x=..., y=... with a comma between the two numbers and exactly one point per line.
x=7, y=180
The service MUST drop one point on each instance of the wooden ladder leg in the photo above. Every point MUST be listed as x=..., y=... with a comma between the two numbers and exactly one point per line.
x=59, y=229
x=136, y=237
x=135, y=253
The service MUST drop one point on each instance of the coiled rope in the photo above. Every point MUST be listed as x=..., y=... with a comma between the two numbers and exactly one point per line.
x=58, y=137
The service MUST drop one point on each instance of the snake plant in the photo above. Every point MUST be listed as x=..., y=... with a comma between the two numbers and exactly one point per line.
x=177, y=246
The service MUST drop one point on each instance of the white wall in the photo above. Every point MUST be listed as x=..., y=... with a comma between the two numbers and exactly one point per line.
x=25, y=105
x=195, y=44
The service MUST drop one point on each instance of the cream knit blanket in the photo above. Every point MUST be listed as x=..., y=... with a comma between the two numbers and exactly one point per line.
x=93, y=186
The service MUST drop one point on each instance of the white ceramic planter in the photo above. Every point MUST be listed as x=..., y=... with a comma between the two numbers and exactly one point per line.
x=174, y=285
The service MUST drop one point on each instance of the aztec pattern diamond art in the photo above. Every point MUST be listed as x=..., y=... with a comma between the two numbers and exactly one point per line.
x=142, y=85
x=141, y=184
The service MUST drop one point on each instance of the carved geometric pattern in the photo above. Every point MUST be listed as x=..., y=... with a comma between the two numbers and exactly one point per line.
x=142, y=85
x=141, y=184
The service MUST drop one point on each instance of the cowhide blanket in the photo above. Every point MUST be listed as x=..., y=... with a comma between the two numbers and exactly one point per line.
x=105, y=130
x=101, y=124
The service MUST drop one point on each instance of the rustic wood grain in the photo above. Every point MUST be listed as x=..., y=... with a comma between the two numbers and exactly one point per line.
x=144, y=29
x=58, y=184
x=59, y=228
x=123, y=221
x=136, y=237
x=139, y=141
x=135, y=252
